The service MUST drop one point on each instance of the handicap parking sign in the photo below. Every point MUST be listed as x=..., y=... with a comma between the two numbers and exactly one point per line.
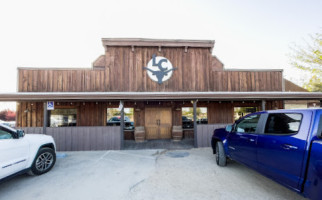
x=50, y=105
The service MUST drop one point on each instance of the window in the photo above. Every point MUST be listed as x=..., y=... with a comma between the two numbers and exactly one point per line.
x=247, y=125
x=4, y=134
x=240, y=112
x=319, y=133
x=283, y=123
x=187, y=117
x=202, y=117
x=114, y=118
x=63, y=117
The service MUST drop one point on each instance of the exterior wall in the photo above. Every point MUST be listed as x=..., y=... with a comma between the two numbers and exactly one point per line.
x=30, y=114
x=273, y=105
x=205, y=132
x=121, y=70
x=82, y=138
x=124, y=72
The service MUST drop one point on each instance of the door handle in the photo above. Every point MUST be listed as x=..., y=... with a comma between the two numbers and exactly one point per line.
x=251, y=140
x=289, y=147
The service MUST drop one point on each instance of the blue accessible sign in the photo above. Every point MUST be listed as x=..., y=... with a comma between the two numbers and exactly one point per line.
x=50, y=105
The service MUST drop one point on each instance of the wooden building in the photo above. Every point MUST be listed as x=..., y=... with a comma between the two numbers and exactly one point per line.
x=157, y=79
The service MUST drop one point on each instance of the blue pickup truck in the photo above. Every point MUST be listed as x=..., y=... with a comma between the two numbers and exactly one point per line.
x=284, y=145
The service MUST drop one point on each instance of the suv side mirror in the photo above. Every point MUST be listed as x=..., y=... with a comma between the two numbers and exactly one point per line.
x=20, y=133
x=229, y=128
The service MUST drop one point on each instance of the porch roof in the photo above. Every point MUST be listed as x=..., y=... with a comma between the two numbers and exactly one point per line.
x=79, y=96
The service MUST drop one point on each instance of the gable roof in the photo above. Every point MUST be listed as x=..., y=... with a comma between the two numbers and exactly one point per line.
x=144, y=42
x=292, y=87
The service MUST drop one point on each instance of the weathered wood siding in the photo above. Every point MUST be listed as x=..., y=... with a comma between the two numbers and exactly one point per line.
x=124, y=72
x=31, y=114
x=82, y=138
x=220, y=112
x=205, y=132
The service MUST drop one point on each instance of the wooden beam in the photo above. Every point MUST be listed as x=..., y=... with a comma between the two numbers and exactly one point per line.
x=82, y=96
x=45, y=118
x=122, y=124
x=195, y=123
x=263, y=105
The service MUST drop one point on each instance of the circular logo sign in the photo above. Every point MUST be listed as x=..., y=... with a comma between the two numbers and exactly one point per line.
x=159, y=69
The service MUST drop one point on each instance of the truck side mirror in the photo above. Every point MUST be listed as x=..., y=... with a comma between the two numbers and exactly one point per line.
x=229, y=128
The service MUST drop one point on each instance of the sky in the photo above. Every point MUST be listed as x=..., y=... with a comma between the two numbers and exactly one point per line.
x=248, y=34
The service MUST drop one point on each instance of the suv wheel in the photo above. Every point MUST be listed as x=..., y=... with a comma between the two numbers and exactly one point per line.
x=43, y=162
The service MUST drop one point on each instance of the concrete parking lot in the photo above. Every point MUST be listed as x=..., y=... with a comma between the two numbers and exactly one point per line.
x=144, y=174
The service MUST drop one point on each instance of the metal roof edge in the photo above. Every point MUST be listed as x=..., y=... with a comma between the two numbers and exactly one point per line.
x=42, y=96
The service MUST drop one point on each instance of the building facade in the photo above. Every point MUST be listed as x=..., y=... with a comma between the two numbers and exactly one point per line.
x=159, y=81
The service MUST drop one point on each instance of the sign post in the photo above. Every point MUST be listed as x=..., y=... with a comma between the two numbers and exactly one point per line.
x=49, y=105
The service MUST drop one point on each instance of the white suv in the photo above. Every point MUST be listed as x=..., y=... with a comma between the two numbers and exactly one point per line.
x=20, y=153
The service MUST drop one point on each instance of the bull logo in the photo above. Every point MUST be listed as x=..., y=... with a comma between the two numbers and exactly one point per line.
x=159, y=69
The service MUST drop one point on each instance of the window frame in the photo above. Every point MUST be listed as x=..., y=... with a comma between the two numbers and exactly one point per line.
x=284, y=134
x=258, y=125
x=319, y=131
x=250, y=113
x=62, y=108
x=13, y=135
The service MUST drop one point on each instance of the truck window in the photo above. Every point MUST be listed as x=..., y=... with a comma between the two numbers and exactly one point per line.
x=319, y=133
x=283, y=123
x=247, y=125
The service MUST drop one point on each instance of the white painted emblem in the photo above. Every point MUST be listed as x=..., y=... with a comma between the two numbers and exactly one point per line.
x=159, y=69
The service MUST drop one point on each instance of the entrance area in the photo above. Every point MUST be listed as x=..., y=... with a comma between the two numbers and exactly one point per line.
x=159, y=144
x=158, y=123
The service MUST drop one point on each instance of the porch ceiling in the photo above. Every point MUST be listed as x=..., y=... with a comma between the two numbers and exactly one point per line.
x=47, y=96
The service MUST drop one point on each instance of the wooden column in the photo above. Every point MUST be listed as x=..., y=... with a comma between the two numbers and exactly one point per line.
x=195, y=123
x=122, y=123
x=263, y=105
x=45, y=118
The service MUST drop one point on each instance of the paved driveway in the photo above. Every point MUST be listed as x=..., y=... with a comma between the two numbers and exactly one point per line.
x=144, y=174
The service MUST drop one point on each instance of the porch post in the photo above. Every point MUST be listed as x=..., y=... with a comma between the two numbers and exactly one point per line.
x=195, y=124
x=45, y=118
x=122, y=124
x=263, y=105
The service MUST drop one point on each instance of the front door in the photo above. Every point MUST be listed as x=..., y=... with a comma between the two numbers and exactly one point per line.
x=158, y=123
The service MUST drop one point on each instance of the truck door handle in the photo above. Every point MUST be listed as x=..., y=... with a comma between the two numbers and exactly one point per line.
x=289, y=147
x=251, y=140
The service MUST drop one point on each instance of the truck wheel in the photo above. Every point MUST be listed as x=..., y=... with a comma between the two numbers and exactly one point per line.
x=44, y=161
x=221, y=159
